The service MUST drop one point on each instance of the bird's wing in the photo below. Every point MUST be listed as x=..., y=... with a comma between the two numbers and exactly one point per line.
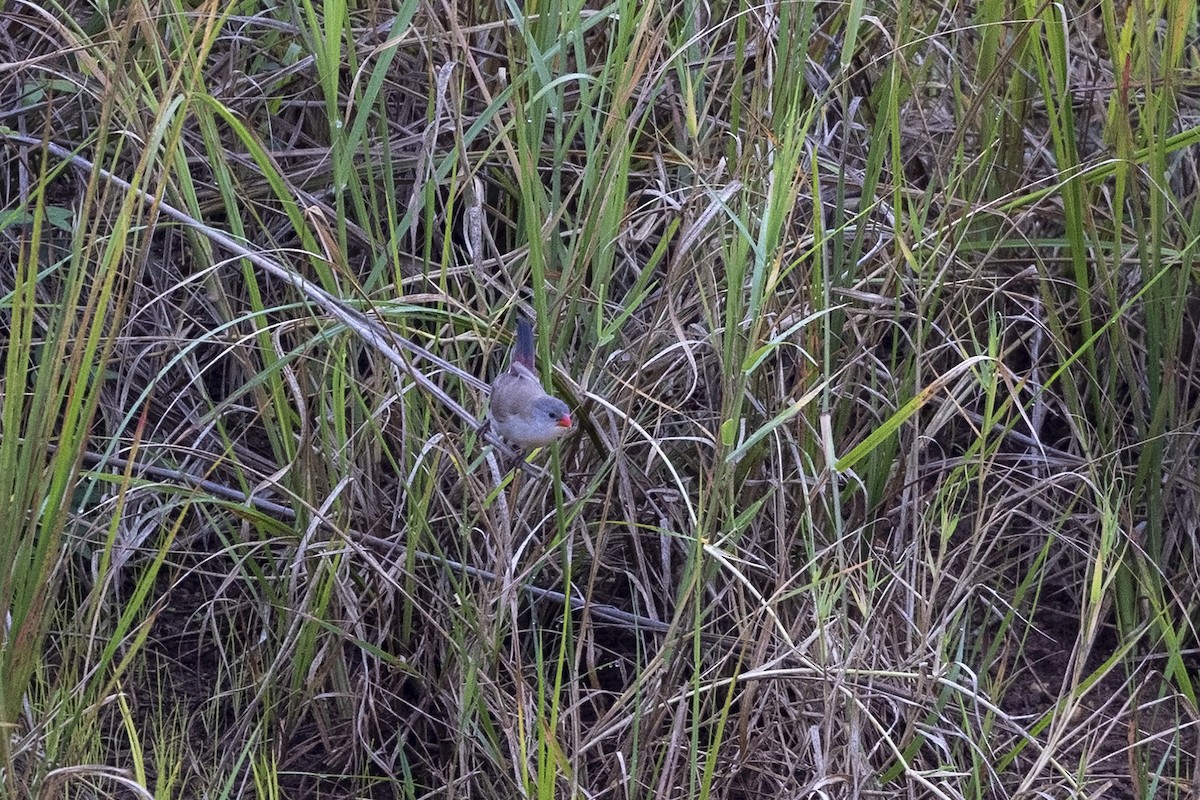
x=513, y=394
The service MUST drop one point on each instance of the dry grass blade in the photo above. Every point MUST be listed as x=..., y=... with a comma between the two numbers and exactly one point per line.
x=880, y=325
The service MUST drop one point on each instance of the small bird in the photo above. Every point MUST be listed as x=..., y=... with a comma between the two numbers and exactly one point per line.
x=520, y=410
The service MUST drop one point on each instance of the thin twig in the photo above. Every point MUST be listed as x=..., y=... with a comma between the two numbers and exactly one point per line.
x=385, y=547
x=378, y=336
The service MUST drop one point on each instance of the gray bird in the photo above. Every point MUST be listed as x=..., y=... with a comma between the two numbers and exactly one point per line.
x=520, y=410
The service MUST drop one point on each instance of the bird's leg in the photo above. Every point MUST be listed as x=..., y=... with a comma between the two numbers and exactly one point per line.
x=510, y=460
x=513, y=462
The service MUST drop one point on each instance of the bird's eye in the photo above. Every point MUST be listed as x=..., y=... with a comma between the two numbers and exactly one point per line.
x=552, y=415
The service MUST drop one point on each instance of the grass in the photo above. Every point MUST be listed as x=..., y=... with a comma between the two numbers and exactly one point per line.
x=878, y=322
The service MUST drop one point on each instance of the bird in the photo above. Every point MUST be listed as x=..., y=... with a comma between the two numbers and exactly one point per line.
x=520, y=410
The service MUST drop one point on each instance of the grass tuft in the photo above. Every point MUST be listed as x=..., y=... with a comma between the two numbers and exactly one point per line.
x=879, y=324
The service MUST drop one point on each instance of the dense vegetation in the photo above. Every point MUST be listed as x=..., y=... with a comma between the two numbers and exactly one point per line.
x=879, y=324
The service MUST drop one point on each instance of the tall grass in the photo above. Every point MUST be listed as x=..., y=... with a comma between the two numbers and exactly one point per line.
x=877, y=322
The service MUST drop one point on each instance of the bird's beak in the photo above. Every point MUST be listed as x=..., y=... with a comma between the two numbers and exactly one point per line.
x=565, y=422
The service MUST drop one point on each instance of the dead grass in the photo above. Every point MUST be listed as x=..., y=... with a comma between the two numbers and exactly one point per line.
x=880, y=327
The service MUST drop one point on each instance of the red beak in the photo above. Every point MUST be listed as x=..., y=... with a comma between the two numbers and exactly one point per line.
x=565, y=422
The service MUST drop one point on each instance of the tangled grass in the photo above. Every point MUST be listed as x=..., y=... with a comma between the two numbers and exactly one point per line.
x=880, y=325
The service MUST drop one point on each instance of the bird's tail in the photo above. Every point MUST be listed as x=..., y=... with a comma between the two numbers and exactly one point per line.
x=523, y=354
